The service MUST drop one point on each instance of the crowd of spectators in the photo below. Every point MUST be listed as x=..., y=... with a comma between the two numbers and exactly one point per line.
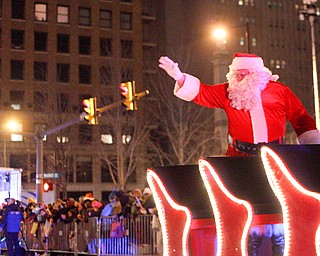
x=120, y=204
x=123, y=204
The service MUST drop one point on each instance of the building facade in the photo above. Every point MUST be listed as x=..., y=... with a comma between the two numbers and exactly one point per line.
x=54, y=54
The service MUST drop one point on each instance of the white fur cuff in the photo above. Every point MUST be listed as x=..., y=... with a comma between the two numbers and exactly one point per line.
x=189, y=90
x=310, y=137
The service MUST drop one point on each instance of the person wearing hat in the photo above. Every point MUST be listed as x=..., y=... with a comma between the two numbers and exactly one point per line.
x=257, y=108
x=12, y=216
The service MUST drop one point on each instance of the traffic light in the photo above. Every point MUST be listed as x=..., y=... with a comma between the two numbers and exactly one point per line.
x=90, y=107
x=47, y=186
x=128, y=92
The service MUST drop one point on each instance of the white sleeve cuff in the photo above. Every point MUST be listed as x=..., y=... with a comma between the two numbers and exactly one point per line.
x=189, y=90
x=310, y=137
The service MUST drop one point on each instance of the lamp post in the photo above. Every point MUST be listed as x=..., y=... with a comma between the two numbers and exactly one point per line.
x=12, y=127
x=220, y=34
x=309, y=11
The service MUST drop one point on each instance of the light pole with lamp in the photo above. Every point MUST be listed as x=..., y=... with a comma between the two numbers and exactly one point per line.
x=220, y=62
x=220, y=35
x=309, y=11
x=12, y=127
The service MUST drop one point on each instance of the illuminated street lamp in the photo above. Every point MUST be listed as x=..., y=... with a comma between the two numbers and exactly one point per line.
x=9, y=128
x=220, y=34
x=309, y=11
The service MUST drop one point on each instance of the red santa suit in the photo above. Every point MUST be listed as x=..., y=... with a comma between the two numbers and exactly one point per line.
x=265, y=123
x=255, y=116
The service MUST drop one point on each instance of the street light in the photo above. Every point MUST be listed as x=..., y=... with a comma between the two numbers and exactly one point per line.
x=221, y=34
x=9, y=128
x=309, y=11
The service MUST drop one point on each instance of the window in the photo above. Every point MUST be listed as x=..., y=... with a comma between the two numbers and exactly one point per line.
x=84, y=74
x=63, y=70
x=126, y=138
x=105, y=172
x=40, y=101
x=84, y=16
x=17, y=9
x=105, y=19
x=242, y=41
x=126, y=74
x=106, y=139
x=85, y=134
x=84, y=169
x=63, y=14
x=62, y=139
x=106, y=75
x=16, y=99
x=19, y=161
x=63, y=43
x=84, y=45
x=254, y=41
x=126, y=21
x=126, y=49
x=106, y=47
x=40, y=71
x=40, y=12
x=17, y=69
x=17, y=39
x=63, y=102
x=17, y=136
x=40, y=41
x=106, y=134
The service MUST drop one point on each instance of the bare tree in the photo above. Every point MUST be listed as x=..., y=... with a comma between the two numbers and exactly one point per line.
x=123, y=133
x=128, y=133
x=184, y=131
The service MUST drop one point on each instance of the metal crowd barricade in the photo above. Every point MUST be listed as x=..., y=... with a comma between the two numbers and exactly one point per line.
x=98, y=236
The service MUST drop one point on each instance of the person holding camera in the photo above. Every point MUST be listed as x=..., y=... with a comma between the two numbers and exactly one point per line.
x=12, y=216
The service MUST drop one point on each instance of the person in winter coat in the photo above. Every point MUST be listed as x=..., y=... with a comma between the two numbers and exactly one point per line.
x=12, y=216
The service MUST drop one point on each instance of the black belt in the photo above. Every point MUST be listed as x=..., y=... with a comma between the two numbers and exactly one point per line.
x=250, y=148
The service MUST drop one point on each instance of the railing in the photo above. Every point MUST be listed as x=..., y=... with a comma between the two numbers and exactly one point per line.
x=98, y=236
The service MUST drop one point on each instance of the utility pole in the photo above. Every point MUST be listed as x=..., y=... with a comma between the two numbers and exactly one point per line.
x=309, y=11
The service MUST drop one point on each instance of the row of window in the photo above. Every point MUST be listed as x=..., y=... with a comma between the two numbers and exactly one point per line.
x=83, y=166
x=275, y=3
x=17, y=72
x=63, y=44
x=63, y=15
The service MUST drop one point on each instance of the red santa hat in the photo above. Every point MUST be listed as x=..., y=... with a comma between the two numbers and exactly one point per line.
x=247, y=61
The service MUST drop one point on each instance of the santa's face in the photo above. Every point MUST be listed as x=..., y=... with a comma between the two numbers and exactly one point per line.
x=240, y=74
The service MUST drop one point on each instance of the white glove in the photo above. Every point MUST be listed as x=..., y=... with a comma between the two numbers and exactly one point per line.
x=170, y=67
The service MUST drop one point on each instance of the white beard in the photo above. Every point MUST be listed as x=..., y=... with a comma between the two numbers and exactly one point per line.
x=247, y=93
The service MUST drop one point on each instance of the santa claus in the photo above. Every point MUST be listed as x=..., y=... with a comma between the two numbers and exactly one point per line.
x=257, y=108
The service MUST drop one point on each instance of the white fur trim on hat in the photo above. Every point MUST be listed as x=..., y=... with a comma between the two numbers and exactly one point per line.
x=247, y=61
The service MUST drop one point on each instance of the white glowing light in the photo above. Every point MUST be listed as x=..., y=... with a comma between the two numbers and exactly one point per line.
x=160, y=194
x=206, y=169
x=285, y=186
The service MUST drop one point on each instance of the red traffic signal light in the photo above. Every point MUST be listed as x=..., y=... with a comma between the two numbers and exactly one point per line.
x=128, y=92
x=47, y=186
x=90, y=107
